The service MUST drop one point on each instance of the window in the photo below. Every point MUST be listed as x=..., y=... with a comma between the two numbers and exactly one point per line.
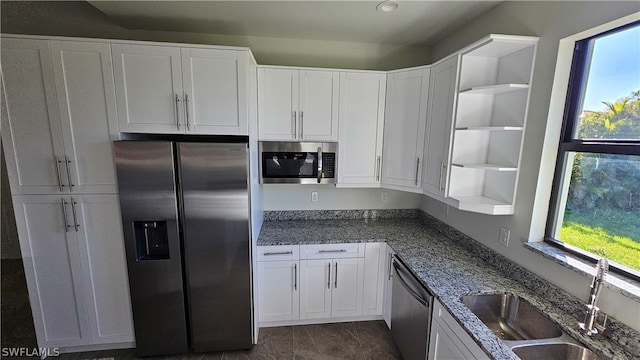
x=595, y=205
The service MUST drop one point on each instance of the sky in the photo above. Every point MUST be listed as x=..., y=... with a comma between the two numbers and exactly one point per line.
x=615, y=68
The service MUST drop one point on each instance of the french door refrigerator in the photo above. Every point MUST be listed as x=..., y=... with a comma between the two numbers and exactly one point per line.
x=185, y=215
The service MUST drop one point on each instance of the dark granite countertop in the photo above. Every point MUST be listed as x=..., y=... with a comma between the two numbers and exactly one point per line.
x=450, y=268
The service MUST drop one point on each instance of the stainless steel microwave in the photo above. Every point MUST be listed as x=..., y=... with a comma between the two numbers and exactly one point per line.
x=298, y=162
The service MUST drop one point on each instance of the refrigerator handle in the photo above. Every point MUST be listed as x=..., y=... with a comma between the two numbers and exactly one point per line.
x=319, y=164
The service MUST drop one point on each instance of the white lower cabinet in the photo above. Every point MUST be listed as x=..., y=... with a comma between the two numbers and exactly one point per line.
x=374, y=278
x=448, y=340
x=278, y=283
x=331, y=288
x=73, y=254
x=300, y=284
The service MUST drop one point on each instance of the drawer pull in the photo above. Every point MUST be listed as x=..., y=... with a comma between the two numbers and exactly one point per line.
x=331, y=251
x=278, y=253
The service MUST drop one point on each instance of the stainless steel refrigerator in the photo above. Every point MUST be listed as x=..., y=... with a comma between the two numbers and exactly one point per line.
x=185, y=215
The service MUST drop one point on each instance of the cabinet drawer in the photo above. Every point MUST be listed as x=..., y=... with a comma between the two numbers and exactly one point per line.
x=332, y=251
x=278, y=252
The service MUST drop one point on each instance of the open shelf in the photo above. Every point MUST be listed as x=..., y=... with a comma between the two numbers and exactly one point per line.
x=500, y=45
x=494, y=89
x=482, y=205
x=491, y=167
x=490, y=128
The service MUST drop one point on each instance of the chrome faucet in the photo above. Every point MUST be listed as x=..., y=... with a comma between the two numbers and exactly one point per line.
x=590, y=325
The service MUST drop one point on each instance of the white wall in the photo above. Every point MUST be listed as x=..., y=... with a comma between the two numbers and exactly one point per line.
x=551, y=21
x=298, y=197
x=83, y=20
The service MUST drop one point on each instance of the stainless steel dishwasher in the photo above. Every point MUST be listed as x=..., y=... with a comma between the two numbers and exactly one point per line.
x=410, y=313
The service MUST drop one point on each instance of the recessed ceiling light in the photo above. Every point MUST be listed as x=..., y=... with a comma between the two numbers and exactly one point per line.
x=387, y=6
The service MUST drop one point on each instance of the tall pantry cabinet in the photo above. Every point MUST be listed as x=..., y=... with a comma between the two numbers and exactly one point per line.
x=58, y=121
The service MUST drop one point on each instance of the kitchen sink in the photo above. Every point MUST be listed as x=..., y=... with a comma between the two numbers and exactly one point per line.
x=557, y=351
x=511, y=317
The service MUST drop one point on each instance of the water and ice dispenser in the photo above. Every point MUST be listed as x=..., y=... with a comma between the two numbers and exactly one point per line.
x=151, y=240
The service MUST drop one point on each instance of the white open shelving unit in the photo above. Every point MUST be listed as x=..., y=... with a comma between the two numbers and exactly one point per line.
x=490, y=119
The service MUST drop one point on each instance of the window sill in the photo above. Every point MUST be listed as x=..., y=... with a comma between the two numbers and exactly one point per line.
x=625, y=286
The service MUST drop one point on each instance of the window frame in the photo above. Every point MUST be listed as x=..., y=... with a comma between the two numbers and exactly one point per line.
x=567, y=144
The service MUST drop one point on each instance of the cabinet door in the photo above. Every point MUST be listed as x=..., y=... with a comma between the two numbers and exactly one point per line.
x=361, y=121
x=374, y=278
x=448, y=340
x=148, y=88
x=86, y=98
x=104, y=268
x=31, y=132
x=318, y=106
x=405, y=120
x=215, y=91
x=442, y=92
x=388, y=287
x=278, y=290
x=315, y=288
x=52, y=270
x=348, y=279
x=277, y=104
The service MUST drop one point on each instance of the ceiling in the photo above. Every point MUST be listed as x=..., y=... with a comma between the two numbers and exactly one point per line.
x=413, y=23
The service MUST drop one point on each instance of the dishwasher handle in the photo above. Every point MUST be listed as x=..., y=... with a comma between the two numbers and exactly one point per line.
x=412, y=292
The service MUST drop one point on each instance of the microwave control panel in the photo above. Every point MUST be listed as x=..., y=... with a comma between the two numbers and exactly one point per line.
x=328, y=165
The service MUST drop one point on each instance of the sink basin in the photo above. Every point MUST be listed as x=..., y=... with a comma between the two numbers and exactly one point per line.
x=561, y=351
x=511, y=317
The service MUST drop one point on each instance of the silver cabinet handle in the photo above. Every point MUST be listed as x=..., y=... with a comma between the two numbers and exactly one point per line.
x=73, y=211
x=301, y=124
x=331, y=251
x=295, y=276
x=186, y=108
x=64, y=214
x=60, y=184
x=378, y=169
x=178, y=111
x=329, y=276
x=278, y=253
x=417, y=169
x=319, y=163
x=68, y=163
x=390, y=261
x=294, y=119
x=440, y=180
x=335, y=284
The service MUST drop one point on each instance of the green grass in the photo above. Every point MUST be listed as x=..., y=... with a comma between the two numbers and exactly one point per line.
x=614, y=235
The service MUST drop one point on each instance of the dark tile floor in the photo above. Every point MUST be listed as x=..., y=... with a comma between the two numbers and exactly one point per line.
x=17, y=322
x=353, y=340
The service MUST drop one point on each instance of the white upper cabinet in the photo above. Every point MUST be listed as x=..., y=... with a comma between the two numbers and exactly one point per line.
x=149, y=88
x=442, y=96
x=405, y=119
x=165, y=89
x=215, y=90
x=31, y=131
x=297, y=105
x=60, y=116
x=86, y=99
x=490, y=119
x=361, y=123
